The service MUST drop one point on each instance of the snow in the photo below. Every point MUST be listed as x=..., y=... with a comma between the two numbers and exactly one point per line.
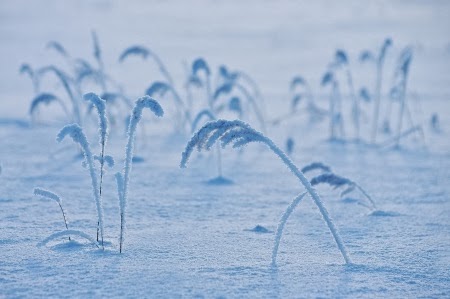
x=188, y=238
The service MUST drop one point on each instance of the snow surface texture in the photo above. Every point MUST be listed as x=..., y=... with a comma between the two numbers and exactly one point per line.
x=189, y=239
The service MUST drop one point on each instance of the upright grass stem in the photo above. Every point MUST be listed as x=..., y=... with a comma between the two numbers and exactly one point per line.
x=76, y=133
x=123, y=180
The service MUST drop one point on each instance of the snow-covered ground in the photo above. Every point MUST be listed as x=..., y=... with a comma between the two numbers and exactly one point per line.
x=186, y=238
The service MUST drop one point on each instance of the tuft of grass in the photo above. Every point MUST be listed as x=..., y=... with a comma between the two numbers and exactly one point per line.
x=239, y=134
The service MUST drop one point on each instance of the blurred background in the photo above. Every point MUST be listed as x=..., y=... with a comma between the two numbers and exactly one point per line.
x=271, y=40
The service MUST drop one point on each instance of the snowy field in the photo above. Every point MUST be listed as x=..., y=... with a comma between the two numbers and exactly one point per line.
x=186, y=237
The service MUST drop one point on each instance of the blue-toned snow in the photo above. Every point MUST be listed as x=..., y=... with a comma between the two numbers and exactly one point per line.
x=186, y=238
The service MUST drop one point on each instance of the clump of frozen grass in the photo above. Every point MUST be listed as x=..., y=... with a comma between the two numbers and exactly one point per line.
x=239, y=134
x=300, y=92
x=228, y=87
x=50, y=195
x=232, y=76
x=77, y=135
x=300, y=89
x=124, y=179
x=339, y=181
x=46, y=99
x=215, y=104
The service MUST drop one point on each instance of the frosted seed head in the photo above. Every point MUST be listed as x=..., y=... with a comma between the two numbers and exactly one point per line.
x=200, y=64
x=157, y=88
x=223, y=71
x=47, y=194
x=296, y=99
x=235, y=105
x=148, y=102
x=134, y=50
x=366, y=55
x=364, y=95
x=73, y=130
x=331, y=179
x=43, y=98
x=327, y=78
x=316, y=165
x=57, y=47
x=223, y=130
x=223, y=89
x=25, y=68
x=348, y=190
x=195, y=81
x=341, y=57
x=297, y=81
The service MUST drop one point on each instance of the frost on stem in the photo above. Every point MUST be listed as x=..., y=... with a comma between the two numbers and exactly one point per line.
x=100, y=106
x=76, y=133
x=281, y=225
x=55, y=197
x=123, y=182
x=240, y=133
